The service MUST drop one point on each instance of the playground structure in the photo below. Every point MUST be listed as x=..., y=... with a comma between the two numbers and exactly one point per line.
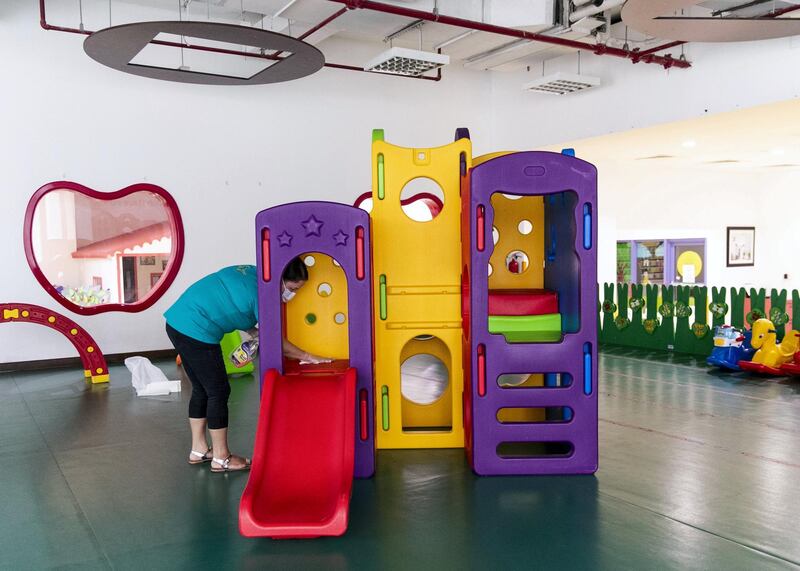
x=492, y=296
x=94, y=364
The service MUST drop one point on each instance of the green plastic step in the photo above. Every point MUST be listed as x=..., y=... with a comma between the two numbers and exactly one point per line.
x=527, y=328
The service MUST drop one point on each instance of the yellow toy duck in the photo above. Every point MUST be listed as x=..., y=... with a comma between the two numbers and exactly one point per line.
x=770, y=354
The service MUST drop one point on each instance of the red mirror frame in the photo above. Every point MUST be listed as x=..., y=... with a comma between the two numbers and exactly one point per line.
x=171, y=271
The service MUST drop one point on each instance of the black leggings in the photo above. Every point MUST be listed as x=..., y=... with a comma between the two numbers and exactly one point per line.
x=205, y=368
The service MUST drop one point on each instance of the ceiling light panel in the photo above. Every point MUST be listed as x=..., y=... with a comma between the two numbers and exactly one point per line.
x=404, y=61
x=562, y=83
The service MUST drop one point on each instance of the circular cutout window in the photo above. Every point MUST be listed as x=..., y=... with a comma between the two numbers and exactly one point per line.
x=422, y=199
x=495, y=235
x=364, y=202
x=512, y=196
x=525, y=227
x=339, y=318
x=310, y=318
x=517, y=262
x=324, y=289
x=423, y=378
x=309, y=261
x=491, y=269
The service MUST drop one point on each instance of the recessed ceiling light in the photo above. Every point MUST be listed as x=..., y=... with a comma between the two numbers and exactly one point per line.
x=689, y=144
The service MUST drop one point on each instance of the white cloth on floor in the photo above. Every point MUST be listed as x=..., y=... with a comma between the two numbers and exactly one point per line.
x=148, y=380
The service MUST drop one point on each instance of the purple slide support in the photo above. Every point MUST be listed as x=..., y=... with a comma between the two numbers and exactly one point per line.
x=342, y=232
x=567, y=443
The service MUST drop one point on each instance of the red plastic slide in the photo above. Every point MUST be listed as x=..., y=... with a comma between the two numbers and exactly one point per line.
x=302, y=471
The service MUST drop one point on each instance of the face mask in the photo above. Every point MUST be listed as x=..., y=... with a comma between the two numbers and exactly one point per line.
x=286, y=295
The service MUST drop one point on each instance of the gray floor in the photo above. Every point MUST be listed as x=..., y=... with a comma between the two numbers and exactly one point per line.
x=698, y=471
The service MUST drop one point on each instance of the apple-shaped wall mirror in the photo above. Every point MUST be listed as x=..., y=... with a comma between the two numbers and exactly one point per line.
x=103, y=251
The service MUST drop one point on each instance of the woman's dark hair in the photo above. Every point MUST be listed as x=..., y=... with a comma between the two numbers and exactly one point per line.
x=295, y=271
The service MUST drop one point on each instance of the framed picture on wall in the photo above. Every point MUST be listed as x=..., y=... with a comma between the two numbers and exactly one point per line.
x=741, y=246
x=147, y=261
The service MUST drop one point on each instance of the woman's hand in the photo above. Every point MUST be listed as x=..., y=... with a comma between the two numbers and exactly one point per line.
x=315, y=359
x=294, y=352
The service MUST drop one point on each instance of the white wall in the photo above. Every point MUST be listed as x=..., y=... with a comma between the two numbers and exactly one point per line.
x=223, y=153
x=640, y=201
x=724, y=77
x=226, y=153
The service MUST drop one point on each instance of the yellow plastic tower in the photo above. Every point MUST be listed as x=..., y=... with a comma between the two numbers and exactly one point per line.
x=417, y=273
x=316, y=319
x=518, y=227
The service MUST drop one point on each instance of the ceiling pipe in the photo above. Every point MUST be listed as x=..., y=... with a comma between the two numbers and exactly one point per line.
x=595, y=9
x=666, y=61
x=286, y=6
x=455, y=39
x=45, y=26
x=499, y=50
x=322, y=24
x=318, y=27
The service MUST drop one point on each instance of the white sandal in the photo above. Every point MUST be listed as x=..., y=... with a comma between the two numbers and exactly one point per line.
x=202, y=457
x=226, y=463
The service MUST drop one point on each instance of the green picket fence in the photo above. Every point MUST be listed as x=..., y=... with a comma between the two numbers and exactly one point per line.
x=676, y=318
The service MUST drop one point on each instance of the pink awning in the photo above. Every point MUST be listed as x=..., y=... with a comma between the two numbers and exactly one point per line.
x=121, y=242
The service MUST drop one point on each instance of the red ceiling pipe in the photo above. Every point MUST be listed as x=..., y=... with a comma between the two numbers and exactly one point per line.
x=773, y=14
x=43, y=23
x=322, y=24
x=660, y=48
x=666, y=61
x=319, y=26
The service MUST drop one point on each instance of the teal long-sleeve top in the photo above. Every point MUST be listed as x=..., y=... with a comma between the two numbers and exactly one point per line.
x=219, y=303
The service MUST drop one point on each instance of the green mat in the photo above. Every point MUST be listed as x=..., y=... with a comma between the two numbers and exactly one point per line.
x=527, y=328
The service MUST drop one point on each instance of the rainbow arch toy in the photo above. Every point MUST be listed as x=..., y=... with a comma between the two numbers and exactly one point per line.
x=497, y=290
x=94, y=363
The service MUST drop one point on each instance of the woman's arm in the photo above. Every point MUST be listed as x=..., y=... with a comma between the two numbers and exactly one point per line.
x=294, y=352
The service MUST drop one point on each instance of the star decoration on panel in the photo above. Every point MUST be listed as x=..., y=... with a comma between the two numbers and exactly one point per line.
x=340, y=238
x=284, y=239
x=312, y=226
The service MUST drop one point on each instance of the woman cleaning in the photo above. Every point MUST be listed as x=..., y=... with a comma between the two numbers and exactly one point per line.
x=222, y=302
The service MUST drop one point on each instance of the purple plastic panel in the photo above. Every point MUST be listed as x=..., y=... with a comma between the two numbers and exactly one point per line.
x=569, y=186
x=341, y=232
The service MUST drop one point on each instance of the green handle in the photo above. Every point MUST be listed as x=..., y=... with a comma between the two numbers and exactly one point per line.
x=380, y=177
x=385, y=407
x=383, y=297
